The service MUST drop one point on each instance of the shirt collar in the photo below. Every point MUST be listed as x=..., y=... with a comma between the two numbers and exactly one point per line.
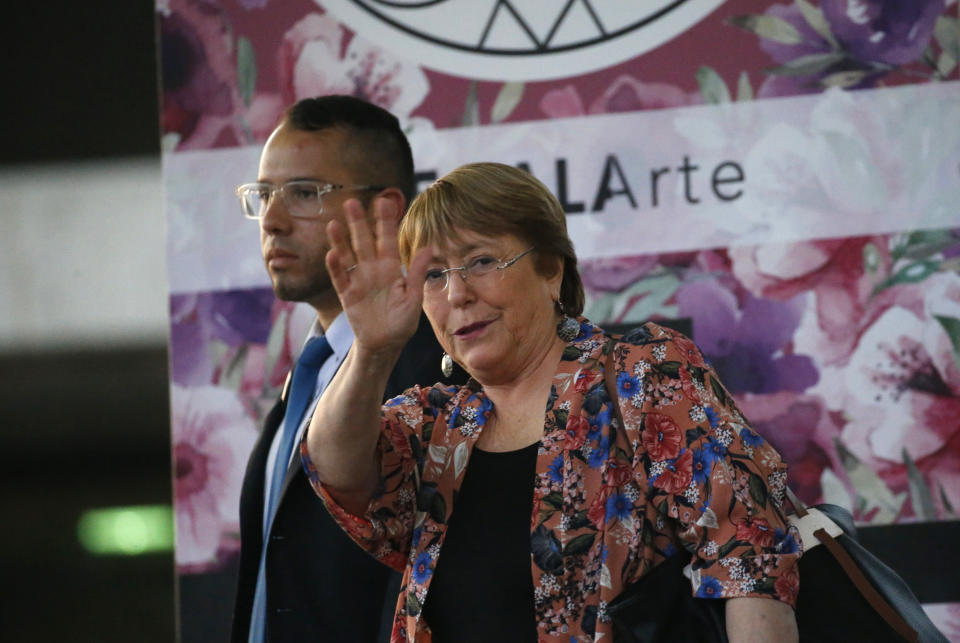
x=339, y=335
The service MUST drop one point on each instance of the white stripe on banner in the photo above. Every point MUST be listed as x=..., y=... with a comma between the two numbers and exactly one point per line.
x=835, y=164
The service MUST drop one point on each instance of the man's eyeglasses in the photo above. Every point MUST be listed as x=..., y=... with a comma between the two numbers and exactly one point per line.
x=303, y=198
x=479, y=268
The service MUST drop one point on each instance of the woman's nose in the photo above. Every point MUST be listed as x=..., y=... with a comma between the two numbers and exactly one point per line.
x=459, y=289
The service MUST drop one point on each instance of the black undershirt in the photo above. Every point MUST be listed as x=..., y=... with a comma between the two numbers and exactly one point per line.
x=482, y=587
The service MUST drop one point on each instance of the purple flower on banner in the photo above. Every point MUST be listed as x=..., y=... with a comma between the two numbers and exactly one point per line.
x=849, y=43
x=887, y=31
x=235, y=318
x=748, y=340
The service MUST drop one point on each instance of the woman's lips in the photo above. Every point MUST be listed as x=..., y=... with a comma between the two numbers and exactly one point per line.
x=471, y=330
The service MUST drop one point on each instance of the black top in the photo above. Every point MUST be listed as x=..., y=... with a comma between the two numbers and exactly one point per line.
x=482, y=588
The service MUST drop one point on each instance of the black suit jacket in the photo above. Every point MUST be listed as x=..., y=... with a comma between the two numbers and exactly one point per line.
x=320, y=585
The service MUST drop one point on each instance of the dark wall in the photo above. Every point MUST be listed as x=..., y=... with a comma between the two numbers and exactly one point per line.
x=79, y=80
x=86, y=429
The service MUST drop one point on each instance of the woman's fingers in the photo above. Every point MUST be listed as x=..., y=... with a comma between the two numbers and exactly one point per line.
x=417, y=270
x=387, y=214
x=361, y=236
x=340, y=257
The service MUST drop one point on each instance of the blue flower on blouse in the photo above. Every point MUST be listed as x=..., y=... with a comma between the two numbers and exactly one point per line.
x=712, y=416
x=710, y=587
x=556, y=469
x=750, y=438
x=599, y=453
x=396, y=401
x=627, y=385
x=422, y=568
x=618, y=506
x=483, y=411
x=714, y=450
x=585, y=329
x=786, y=543
x=601, y=418
x=702, y=464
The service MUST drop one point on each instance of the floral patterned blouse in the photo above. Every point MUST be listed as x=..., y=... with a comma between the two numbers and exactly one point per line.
x=610, y=502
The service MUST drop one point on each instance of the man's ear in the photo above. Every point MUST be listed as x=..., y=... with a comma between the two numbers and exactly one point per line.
x=395, y=196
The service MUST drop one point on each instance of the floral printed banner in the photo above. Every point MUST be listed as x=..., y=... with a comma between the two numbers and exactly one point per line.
x=781, y=175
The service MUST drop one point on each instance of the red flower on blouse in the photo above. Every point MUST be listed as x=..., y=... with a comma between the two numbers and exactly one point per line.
x=577, y=429
x=661, y=436
x=756, y=531
x=689, y=351
x=677, y=476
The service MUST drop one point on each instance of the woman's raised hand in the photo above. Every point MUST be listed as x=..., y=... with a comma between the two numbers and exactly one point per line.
x=381, y=302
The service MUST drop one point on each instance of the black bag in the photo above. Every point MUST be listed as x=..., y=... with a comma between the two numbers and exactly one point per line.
x=846, y=593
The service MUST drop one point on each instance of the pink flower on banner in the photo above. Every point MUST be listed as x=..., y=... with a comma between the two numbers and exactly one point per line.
x=946, y=616
x=616, y=273
x=212, y=438
x=833, y=269
x=319, y=56
x=802, y=430
x=199, y=74
x=901, y=392
x=624, y=94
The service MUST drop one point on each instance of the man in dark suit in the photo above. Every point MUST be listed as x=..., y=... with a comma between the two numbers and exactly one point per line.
x=311, y=582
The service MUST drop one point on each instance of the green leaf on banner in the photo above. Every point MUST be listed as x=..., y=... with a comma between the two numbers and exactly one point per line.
x=769, y=28
x=246, y=70
x=647, y=297
x=814, y=17
x=952, y=326
x=911, y=274
x=947, y=505
x=712, y=88
x=843, y=79
x=871, y=259
x=232, y=375
x=946, y=64
x=920, y=496
x=923, y=243
x=872, y=492
x=507, y=101
x=946, y=31
x=807, y=65
x=471, y=109
x=744, y=90
x=833, y=490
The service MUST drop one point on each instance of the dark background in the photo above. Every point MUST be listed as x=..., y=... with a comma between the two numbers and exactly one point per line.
x=87, y=428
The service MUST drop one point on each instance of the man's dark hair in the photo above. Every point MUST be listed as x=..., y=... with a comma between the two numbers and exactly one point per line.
x=378, y=153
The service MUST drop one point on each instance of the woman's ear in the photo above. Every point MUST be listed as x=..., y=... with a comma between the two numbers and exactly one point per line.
x=555, y=273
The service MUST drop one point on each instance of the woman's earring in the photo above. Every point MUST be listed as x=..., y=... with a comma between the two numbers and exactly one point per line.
x=446, y=365
x=568, y=328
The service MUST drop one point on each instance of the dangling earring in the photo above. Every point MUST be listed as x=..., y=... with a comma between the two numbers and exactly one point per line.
x=446, y=365
x=568, y=327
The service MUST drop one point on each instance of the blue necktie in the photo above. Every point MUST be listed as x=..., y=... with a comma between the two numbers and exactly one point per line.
x=302, y=387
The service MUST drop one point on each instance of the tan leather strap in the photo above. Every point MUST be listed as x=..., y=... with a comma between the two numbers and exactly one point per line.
x=869, y=592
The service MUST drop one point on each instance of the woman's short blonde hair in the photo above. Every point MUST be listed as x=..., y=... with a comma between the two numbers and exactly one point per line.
x=494, y=199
